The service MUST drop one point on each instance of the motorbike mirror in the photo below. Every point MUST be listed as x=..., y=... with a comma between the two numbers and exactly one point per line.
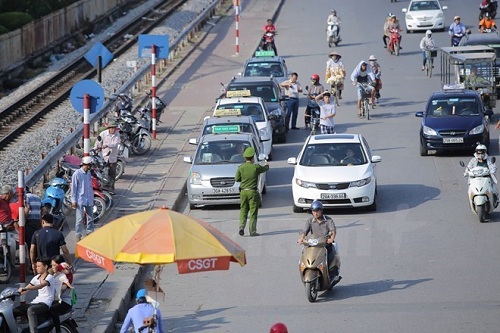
x=462, y=164
x=99, y=138
x=307, y=87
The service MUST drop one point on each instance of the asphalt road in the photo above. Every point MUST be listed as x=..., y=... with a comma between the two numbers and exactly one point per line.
x=421, y=263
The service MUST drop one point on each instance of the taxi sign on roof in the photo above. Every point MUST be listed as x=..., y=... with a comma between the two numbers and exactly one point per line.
x=227, y=112
x=264, y=54
x=222, y=129
x=457, y=86
x=238, y=93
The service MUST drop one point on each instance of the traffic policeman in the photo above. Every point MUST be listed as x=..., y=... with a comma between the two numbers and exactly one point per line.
x=248, y=174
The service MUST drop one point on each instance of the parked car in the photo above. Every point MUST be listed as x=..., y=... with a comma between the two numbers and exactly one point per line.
x=211, y=179
x=265, y=63
x=424, y=15
x=247, y=105
x=338, y=170
x=454, y=119
x=269, y=90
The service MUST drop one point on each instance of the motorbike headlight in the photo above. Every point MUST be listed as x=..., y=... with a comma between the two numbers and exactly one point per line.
x=195, y=178
x=477, y=130
x=429, y=131
x=362, y=182
x=304, y=184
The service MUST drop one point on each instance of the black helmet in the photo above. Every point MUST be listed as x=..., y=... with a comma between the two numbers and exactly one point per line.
x=316, y=205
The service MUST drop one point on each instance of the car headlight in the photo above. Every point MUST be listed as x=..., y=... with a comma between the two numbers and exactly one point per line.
x=362, y=182
x=440, y=14
x=409, y=17
x=304, y=184
x=195, y=178
x=263, y=132
x=429, y=131
x=477, y=130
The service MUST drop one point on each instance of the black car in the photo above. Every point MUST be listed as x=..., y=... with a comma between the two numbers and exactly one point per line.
x=269, y=90
x=454, y=120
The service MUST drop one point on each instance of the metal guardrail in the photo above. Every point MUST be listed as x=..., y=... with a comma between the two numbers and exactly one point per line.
x=52, y=158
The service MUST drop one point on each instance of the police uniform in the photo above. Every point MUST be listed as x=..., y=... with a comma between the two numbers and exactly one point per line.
x=248, y=174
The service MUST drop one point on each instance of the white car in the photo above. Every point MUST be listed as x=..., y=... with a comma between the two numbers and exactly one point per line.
x=424, y=15
x=338, y=170
x=241, y=103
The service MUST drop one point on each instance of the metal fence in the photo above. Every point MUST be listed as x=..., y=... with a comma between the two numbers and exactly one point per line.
x=43, y=33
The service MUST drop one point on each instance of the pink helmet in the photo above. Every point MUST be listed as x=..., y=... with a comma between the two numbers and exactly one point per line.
x=315, y=77
x=278, y=328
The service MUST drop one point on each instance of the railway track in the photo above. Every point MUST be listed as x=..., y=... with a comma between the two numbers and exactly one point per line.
x=26, y=112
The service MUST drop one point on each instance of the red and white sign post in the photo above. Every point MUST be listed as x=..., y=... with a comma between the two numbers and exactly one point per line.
x=22, y=233
x=237, y=24
x=86, y=125
x=153, y=89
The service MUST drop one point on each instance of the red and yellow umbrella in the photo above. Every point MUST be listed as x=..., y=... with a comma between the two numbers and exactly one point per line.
x=161, y=236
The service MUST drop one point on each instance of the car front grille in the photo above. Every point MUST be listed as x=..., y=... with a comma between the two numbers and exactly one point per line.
x=453, y=133
x=332, y=186
x=222, y=182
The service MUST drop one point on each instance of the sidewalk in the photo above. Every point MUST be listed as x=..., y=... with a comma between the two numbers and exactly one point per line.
x=159, y=177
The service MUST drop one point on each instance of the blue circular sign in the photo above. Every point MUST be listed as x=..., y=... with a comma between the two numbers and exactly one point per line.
x=93, y=89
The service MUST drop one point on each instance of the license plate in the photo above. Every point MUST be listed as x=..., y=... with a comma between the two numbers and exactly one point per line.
x=224, y=190
x=453, y=140
x=332, y=195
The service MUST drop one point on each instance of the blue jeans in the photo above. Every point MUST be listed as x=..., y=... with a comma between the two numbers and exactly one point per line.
x=292, y=111
x=79, y=219
x=423, y=57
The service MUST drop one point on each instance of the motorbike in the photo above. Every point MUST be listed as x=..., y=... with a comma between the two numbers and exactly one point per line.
x=315, y=272
x=313, y=113
x=123, y=104
x=268, y=42
x=394, y=42
x=481, y=199
x=147, y=111
x=136, y=132
x=8, y=322
x=332, y=33
x=53, y=199
x=490, y=8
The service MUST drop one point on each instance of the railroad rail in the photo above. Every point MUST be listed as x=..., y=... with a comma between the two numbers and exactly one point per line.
x=23, y=114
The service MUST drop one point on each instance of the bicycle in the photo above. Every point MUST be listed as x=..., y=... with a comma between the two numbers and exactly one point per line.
x=429, y=54
x=333, y=91
x=365, y=99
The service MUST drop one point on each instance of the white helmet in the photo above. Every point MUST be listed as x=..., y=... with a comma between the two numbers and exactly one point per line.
x=86, y=160
x=428, y=33
x=481, y=147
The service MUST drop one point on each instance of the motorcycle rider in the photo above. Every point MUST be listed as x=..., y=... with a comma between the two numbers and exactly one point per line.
x=457, y=30
x=377, y=72
x=269, y=27
x=322, y=225
x=427, y=44
x=488, y=6
x=387, y=35
x=333, y=19
x=482, y=159
x=335, y=72
x=487, y=23
x=393, y=26
x=363, y=74
x=314, y=90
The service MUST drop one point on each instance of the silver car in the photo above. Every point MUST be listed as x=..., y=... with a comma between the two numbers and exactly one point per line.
x=211, y=177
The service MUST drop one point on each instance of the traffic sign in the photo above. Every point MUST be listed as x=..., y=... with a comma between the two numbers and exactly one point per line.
x=98, y=50
x=159, y=41
x=93, y=89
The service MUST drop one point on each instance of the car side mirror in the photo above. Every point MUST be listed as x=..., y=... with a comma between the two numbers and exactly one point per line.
x=187, y=159
x=193, y=141
x=462, y=164
x=419, y=114
x=292, y=160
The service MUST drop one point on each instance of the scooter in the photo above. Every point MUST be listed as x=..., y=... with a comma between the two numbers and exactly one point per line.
x=315, y=273
x=160, y=107
x=123, y=104
x=490, y=8
x=8, y=322
x=456, y=38
x=268, y=43
x=481, y=199
x=137, y=132
x=394, y=42
x=332, y=34
x=53, y=199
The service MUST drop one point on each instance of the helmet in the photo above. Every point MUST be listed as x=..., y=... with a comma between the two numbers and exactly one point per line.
x=278, y=328
x=480, y=148
x=372, y=58
x=316, y=205
x=141, y=293
x=456, y=18
x=390, y=15
x=428, y=32
x=249, y=152
x=315, y=77
x=333, y=11
x=86, y=160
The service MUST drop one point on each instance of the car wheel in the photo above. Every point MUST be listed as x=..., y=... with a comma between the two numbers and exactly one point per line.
x=297, y=209
x=264, y=190
x=423, y=150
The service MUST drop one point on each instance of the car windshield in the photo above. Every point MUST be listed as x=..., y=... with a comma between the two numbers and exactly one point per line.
x=264, y=69
x=424, y=5
x=266, y=92
x=253, y=110
x=221, y=152
x=453, y=106
x=244, y=128
x=333, y=154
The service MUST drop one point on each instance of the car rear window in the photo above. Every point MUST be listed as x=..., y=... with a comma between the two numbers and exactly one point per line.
x=453, y=106
x=253, y=110
x=266, y=92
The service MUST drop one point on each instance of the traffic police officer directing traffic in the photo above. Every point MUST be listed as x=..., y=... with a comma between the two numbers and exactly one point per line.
x=248, y=174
